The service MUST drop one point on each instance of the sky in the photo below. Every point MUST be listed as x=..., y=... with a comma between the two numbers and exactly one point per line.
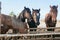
x=18, y=5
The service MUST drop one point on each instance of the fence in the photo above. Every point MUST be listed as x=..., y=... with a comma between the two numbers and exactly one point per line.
x=35, y=35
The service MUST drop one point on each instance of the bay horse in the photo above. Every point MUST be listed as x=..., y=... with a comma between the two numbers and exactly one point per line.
x=36, y=16
x=30, y=21
x=51, y=17
x=35, y=19
x=25, y=14
x=15, y=24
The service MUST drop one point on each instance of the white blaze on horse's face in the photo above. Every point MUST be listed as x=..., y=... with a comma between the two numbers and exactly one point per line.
x=26, y=20
x=37, y=14
x=35, y=17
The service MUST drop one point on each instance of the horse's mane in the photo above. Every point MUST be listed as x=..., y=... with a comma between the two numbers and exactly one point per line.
x=21, y=15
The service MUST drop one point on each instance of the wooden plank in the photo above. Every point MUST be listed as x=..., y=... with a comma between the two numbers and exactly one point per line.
x=47, y=28
x=47, y=38
x=12, y=35
x=0, y=7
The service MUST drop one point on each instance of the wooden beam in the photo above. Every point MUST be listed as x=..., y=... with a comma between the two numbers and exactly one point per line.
x=12, y=35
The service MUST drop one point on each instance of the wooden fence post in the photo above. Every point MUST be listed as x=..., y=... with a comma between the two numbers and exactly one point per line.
x=0, y=7
x=0, y=19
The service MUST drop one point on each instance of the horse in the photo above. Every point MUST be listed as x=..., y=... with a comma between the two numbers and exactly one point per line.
x=30, y=21
x=15, y=24
x=11, y=23
x=34, y=19
x=51, y=17
x=36, y=16
x=25, y=14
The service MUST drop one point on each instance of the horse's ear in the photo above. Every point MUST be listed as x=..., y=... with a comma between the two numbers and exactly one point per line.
x=24, y=7
x=32, y=9
x=39, y=9
x=50, y=6
x=57, y=6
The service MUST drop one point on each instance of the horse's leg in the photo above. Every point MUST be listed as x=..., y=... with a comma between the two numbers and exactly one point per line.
x=4, y=30
x=48, y=30
x=15, y=31
x=54, y=30
x=47, y=27
x=54, y=26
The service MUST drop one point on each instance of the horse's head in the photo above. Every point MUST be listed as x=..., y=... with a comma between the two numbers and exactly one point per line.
x=36, y=15
x=26, y=13
x=54, y=12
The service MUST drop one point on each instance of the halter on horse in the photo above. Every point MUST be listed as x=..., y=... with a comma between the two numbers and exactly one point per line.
x=51, y=17
x=36, y=16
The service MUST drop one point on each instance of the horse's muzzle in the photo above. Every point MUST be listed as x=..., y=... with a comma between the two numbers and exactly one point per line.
x=54, y=21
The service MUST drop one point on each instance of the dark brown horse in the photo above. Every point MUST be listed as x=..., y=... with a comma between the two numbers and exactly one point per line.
x=30, y=19
x=25, y=14
x=51, y=17
x=15, y=24
x=11, y=23
x=36, y=16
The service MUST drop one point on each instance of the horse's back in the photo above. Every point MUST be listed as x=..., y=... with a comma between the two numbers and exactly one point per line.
x=5, y=19
x=4, y=16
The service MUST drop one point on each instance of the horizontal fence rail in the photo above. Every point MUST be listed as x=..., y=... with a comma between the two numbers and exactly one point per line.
x=53, y=35
x=12, y=35
x=44, y=36
x=46, y=28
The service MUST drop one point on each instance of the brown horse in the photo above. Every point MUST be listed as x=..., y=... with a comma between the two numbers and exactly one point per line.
x=25, y=14
x=30, y=19
x=15, y=24
x=11, y=23
x=35, y=19
x=36, y=16
x=51, y=17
